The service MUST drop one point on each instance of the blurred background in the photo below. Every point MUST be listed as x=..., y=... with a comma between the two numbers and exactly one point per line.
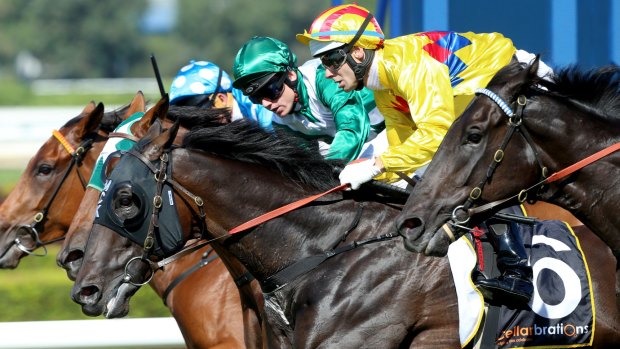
x=56, y=56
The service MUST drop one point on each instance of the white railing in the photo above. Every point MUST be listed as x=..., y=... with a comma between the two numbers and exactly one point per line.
x=107, y=333
x=92, y=86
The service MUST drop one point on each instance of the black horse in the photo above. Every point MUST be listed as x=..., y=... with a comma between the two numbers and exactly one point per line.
x=368, y=291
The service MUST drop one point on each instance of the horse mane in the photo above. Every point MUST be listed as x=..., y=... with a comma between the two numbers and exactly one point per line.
x=243, y=140
x=192, y=116
x=109, y=121
x=597, y=88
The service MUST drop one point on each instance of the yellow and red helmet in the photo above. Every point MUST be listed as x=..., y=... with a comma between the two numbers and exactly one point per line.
x=339, y=25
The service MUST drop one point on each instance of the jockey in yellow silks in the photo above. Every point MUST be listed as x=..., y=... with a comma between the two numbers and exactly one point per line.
x=421, y=83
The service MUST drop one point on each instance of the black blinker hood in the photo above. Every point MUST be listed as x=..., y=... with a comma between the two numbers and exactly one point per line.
x=131, y=174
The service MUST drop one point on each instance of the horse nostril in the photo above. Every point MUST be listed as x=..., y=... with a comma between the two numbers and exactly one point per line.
x=412, y=223
x=73, y=256
x=409, y=224
x=87, y=295
x=410, y=228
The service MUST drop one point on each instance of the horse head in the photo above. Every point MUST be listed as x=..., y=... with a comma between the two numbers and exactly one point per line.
x=507, y=144
x=72, y=251
x=39, y=208
x=458, y=174
x=70, y=255
x=98, y=287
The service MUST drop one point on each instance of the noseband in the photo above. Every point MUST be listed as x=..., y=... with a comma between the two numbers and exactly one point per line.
x=515, y=124
x=77, y=156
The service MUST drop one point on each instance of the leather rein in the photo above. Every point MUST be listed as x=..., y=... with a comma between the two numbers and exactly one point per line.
x=515, y=124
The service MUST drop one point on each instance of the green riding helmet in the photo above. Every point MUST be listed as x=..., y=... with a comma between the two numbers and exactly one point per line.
x=258, y=60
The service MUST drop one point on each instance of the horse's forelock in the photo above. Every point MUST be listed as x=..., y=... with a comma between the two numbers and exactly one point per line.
x=112, y=119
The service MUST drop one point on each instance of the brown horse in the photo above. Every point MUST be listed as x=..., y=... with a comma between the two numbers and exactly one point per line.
x=512, y=136
x=332, y=273
x=39, y=209
x=205, y=304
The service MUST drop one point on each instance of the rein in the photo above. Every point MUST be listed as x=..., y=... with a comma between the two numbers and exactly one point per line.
x=515, y=121
x=282, y=210
x=77, y=155
x=281, y=278
x=204, y=260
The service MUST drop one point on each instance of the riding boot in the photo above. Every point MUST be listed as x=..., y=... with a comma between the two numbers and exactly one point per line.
x=514, y=286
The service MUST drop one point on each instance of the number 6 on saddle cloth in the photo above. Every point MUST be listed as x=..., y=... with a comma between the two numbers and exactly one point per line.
x=124, y=205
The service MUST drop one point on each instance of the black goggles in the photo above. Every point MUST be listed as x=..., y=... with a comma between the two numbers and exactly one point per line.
x=272, y=90
x=334, y=59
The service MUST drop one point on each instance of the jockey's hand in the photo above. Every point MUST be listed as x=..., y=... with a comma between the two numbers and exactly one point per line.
x=357, y=173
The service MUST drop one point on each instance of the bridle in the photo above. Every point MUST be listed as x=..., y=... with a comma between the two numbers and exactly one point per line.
x=161, y=177
x=77, y=156
x=515, y=124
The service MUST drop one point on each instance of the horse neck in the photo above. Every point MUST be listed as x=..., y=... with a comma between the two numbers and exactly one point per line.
x=591, y=193
x=235, y=192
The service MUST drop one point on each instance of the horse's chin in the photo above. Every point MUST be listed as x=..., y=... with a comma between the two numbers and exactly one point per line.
x=118, y=306
x=438, y=245
x=10, y=260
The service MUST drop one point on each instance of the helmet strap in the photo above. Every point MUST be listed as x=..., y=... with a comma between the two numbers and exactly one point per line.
x=360, y=69
x=211, y=101
x=293, y=86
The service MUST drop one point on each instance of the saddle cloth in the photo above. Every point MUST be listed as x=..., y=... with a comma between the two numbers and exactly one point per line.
x=561, y=312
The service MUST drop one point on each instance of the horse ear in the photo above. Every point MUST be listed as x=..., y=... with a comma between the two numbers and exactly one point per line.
x=138, y=104
x=161, y=141
x=90, y=122
x=158, y=112
x=153, y=131
x=533, y=68
x=88, y=108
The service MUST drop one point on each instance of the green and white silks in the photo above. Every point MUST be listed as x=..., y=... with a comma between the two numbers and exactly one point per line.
x=113, y=144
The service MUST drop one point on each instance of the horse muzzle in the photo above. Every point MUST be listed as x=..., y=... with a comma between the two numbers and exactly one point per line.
x=411, y=229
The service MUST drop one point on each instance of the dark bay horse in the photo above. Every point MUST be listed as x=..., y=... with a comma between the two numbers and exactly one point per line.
x=306, y=307
x=40, y=207
x=555, y=124
x=376, y=294
x=205, y=304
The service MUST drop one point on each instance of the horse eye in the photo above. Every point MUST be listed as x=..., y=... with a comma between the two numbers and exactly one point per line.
x=474, y=138
x=125, y=201
x=44, y=169
x=126, y=205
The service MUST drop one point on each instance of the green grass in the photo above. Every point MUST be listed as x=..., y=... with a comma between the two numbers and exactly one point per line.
x=8, y=179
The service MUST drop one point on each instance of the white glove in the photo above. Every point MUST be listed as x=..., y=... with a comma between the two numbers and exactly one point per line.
x=358, y=173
